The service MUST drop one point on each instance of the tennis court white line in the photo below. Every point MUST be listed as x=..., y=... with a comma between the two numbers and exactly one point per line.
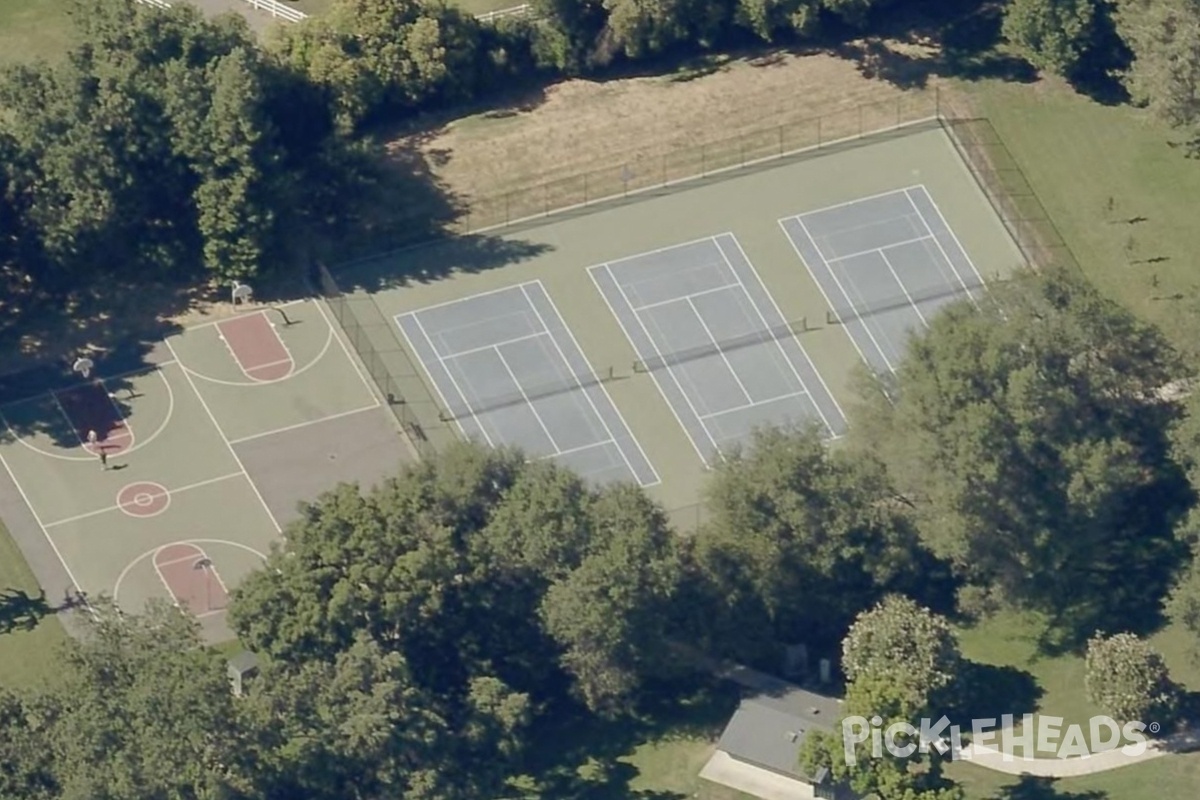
x=953, y=235
x=653, y=252
x=820, y=287
x=592, y=372
x=454, y=381
x=700, y=293
x=583, y=447
x=571, y=370
x=653, y=375
x=525, y=397
x=783, y=321
x=859, y=200
x=670, y=369
x=436, y=386
x=458, y=300
x=885, y=247
x=720, y=350
x=846, y=295
x=204, y=404
x=904, y=289
x=116, y=506
x=756, y=403
x=480, y=349
x=306, y=424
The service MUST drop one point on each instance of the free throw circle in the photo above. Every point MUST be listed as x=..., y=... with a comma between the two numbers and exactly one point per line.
x=143, y=499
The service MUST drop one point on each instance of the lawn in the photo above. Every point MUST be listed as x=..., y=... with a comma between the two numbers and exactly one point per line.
x=32, y=29
x=1142, y=253
x=657, y=755
x=29, y=637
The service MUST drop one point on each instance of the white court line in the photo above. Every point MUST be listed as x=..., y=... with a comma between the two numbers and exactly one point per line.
x=783, y=321
x=116, y=506
x=653, y=252
x=760, y=403
x=953, y=235
x=592, y=372
x=273, y=363
x=261, y=309
x=669, y=368
x=458, y=300
x=583, y=447
x=525, y=397
x=480, y=349
x=278, y=338
x=858, y=200
x=686, y=297
x=178, y=560
x=371, y=390
x=881, y=249
x=293, y=373
x=144, y=369
x=62, y=410
x=45, y=531
x=903, y=288
x=720, y=350
x=436, y=386
x=306, y=424
x=820, y=287
x=225, y=439
x=470, y=407
x=846, y=295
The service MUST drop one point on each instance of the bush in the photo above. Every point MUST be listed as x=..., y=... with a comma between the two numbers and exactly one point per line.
x=1129, y=680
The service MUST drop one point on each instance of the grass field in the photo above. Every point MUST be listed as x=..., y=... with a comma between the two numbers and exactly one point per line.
x=27, y=650
x=32, y=29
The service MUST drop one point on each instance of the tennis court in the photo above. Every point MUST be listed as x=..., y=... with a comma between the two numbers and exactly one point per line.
x=716, y=344
x=885, y=265
x=509, y=372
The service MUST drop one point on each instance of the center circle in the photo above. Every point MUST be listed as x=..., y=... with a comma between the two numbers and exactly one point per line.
x=143, y=499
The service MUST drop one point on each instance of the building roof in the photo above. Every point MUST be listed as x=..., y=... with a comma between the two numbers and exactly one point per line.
x=768, y=729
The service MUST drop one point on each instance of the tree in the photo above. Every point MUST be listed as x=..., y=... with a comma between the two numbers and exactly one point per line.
x=26, y=768
x=908, y=647
x=1164, y=37
x=236, y=196
x=800, y=540
x=610, y=613
x=1129, y=680
x=141, y=710
x=1029, y=437
x=1183, y=604
x=1053, y=35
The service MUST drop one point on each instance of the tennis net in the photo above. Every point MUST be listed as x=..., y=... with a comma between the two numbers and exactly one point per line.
x=728, y=345
x=944, y=293
x=474, y=406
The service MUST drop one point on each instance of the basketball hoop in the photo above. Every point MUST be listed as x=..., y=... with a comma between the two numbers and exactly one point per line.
x=83, y=366
x=242, y=293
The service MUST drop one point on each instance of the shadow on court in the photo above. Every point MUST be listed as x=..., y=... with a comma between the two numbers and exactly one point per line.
x=434, y=260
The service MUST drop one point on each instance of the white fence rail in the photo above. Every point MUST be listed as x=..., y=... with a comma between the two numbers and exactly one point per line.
x=513, y=11
x=279, y=10
x=155, y=3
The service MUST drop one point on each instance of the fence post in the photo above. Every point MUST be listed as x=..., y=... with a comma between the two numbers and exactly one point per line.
x=860, y=120
x=937, y=101
x=703, y=166
x=818, y=133
x=664, y=169
x=585, y=198
x=781, y=141
x=546, y=198
x=899, y=112
x=507, y=195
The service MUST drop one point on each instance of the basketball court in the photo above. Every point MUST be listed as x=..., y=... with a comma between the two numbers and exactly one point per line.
x=177, y=511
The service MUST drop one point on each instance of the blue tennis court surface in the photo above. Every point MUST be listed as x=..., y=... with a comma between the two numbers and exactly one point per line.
x=509, y=371
x=711, y=336
x=886, y=265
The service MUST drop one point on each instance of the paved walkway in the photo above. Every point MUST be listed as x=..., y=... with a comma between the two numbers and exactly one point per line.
x=993, y=759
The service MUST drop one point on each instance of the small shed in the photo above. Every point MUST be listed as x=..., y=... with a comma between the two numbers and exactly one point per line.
x=242, y=668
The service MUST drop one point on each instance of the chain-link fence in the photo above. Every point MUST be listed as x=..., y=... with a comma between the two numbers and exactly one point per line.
x=373, y=337
x=1007, y=189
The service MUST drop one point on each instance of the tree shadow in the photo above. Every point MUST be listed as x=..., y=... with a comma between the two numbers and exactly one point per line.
x=1031, y=787
x=576, y=754
x=20, y=611
x=989, y=691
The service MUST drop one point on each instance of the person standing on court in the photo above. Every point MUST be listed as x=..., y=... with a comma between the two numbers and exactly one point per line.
x=94, y=441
